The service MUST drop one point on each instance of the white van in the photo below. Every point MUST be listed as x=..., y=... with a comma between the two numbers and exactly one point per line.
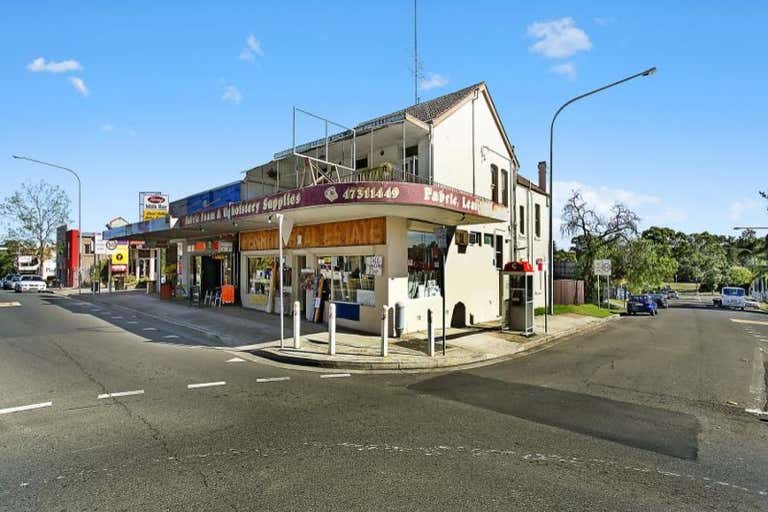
x=733, y=297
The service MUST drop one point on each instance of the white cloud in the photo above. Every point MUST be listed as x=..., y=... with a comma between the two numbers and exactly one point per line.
x=558, y=39
x=79, y=85
x=252, y=49
x=107, y=128
x=737, y=208
x=232, y=95
x=432, y=81
x=39, y=65
x=601, y=198
x=566, y=69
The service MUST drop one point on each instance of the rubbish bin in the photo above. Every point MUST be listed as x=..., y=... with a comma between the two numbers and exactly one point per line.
x=399, y=319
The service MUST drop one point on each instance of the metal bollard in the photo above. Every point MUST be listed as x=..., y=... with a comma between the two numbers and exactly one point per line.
x=297, y=325
x=332, y=329
x=430, y=334
x=384, y=330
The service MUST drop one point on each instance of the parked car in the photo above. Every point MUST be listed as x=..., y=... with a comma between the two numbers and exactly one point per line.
x=731, y=297
x=29, y=284
x=672, y=294
x=10, y=281
x=660, y=299
x=642, y=304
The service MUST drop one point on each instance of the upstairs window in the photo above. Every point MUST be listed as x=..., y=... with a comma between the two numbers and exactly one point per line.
x=521, y=220
x=505, y=187
x=361, y=163
x=537, y=219
x=494, y=183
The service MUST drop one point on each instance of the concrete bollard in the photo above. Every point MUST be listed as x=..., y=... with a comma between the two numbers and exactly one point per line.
x=332, y=329
x=297, y=325
x=430, y=333
x=384, y=330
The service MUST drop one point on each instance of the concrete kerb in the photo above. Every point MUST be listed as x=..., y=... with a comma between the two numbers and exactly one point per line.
x=427, y=365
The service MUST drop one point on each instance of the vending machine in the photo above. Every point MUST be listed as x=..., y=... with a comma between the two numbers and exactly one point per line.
x=518, y=309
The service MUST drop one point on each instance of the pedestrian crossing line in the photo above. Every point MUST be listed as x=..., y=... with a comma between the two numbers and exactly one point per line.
x=21, y=408
x=206, y=384
x=11, y=304
x=120, y=393
x=273, y=379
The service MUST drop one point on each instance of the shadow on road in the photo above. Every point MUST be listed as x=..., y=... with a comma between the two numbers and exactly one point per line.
x=119, y=320
x=648, y=428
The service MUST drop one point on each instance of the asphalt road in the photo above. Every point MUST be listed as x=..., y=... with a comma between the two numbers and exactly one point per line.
x=647, y=414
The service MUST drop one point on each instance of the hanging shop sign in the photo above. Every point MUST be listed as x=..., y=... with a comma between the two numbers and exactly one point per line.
x=352, y=193
x=333, y=234
x=222, y=246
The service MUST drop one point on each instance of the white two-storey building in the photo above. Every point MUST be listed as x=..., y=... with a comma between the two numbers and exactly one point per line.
x=361, y=212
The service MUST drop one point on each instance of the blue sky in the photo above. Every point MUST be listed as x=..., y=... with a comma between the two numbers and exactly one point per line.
x=175, y=96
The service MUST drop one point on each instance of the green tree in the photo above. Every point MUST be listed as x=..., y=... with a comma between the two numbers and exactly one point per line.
x=595, y=235
x=33, y=214
x=739, y=276
x=642, y=264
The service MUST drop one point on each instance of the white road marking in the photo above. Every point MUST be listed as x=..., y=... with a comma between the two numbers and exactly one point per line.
x=25, y=407
x=11, y=304
x=235, y=360
x=273, y=379
x=742, y=321
x=120, y=393
x=170, y=336
x=149, y=329
x=131, y=322
x=206, y=384
x=116, y=317
x=335, y=375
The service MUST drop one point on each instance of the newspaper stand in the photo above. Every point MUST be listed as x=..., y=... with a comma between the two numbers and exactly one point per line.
x=517, y=300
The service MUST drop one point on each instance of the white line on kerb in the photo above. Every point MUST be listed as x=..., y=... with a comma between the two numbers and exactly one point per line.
x=335, y=375
x=26, y=407
x=121, y=393
x=206, y=384
x=273, y=379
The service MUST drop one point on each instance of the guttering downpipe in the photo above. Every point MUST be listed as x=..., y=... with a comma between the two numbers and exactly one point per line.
x=474, y=155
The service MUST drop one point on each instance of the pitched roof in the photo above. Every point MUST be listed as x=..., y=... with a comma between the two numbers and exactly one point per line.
x=425, y=111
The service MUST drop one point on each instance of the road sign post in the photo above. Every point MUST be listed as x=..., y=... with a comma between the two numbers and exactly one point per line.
x=601, y=268
x=442, y=235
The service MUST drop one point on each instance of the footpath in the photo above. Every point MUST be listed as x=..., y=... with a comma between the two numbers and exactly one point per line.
x=257, y=333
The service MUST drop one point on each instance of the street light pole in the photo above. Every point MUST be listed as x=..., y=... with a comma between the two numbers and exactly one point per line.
x=647, y=72
x=79, y=216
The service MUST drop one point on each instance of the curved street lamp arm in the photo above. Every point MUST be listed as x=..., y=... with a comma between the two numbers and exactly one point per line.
x=49, y=165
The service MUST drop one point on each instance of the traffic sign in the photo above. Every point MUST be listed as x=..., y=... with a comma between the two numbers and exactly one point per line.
x=601, y=267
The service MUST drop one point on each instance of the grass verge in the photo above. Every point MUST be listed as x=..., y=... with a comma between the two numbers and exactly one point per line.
x=582, y=309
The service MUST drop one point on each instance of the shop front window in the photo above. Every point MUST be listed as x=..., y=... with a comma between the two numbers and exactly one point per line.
x=350, y=278
x=423, y=265
x=260, y=271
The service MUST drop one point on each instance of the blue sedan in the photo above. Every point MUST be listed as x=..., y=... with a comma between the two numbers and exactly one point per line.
x=642, y=304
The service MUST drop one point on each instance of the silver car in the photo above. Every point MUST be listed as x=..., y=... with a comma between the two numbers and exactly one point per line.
x=29, y=284
x=10, y=281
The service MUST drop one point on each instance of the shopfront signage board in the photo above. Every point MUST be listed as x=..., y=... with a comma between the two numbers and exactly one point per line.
x=416, y=194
